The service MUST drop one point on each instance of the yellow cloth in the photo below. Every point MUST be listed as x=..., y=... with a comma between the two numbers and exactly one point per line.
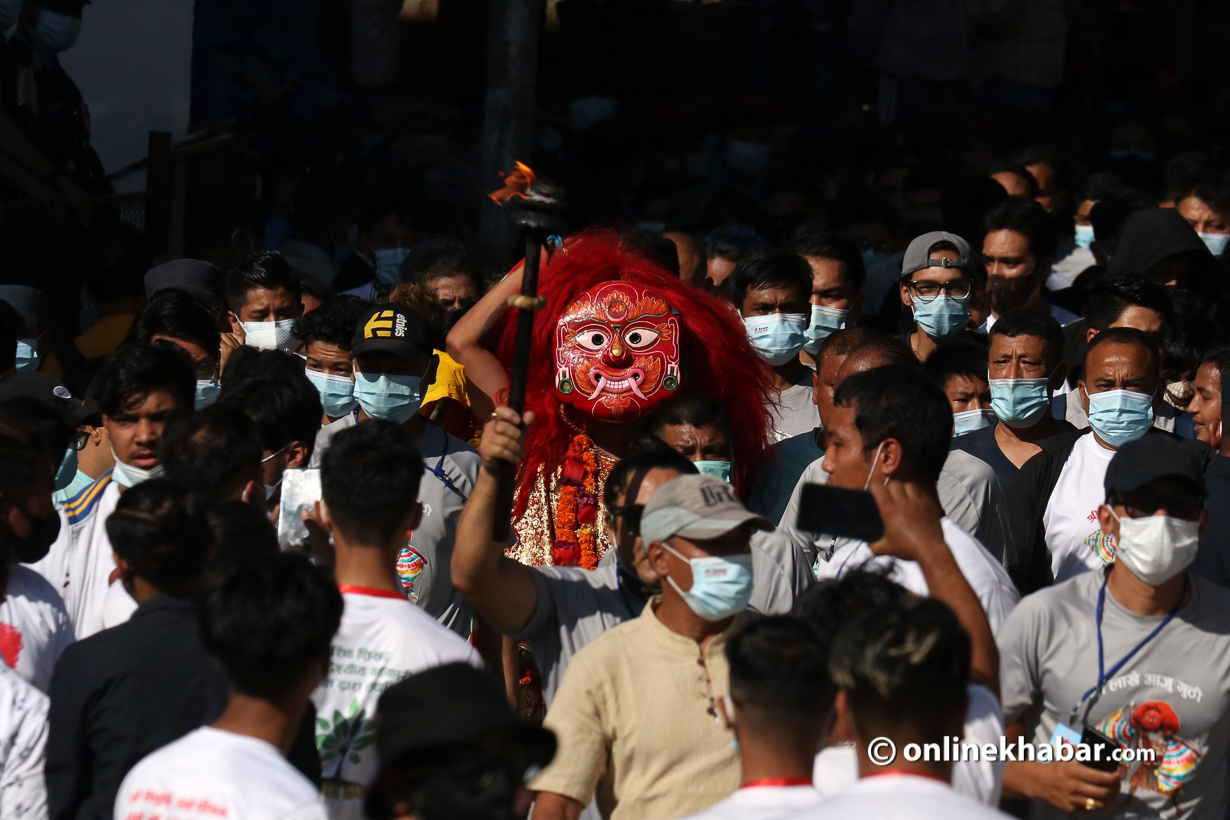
x=100, y=340
x=450, y=382
x=636, y=719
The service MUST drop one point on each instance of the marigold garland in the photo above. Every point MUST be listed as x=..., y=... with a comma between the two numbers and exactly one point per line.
x=576, y=507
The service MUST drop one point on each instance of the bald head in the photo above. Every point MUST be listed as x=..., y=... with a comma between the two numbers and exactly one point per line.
x=873, y=354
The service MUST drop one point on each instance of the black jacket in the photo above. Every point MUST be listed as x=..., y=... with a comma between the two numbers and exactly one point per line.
x=1032, y=492
x=120, y=694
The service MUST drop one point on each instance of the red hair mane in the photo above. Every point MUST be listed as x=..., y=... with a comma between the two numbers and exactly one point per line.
x=717, y=359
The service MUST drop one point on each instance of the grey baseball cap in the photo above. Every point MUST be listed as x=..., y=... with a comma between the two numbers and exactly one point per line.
x=202, y=280
x=698, y=507
x=917, y=255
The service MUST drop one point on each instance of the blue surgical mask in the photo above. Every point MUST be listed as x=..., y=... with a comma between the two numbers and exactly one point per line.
x=872, y=257
x=1020, y=402
x=78, y=483
x=1120, y=416
x=967, y=421
x=129, y=475
x=942, y=317
x=824, y=322
x=67, y=470
x=777, y=337
x=57, y=32
x=388, y=397
x=1084, y=236
x=207, y=391
x=388, y=264
x=27, y=355
x=336, y=392
x=717, y=469
x=721, y=585
x=10, y=11
x=1215, y=242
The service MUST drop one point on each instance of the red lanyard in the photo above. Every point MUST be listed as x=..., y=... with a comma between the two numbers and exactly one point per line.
x=778, y=781
x=905, y=773
x=372, y=591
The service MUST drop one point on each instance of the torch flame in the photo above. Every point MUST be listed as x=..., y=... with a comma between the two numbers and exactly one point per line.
x=515, y=184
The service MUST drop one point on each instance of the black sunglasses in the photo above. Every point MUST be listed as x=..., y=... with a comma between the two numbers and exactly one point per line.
x=631, y=514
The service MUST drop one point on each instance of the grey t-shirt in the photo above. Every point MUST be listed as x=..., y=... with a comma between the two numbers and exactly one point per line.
x=1173, y=695
x=969, y=493
x=576, y=605
x=793, y=411
x=452, y=467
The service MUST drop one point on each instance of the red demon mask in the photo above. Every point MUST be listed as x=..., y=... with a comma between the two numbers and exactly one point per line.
x=617, y=352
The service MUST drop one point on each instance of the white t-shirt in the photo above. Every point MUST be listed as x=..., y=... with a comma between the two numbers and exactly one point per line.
x=793, y=411
x=985, y=575
x=211, y=774
x=836, y=767
x=761, y=803
x=1071, y=513
x=80, y=565
x=118, y=606
x=895, y=796
x=34, y=626
x=23, y=745
x=382, y=639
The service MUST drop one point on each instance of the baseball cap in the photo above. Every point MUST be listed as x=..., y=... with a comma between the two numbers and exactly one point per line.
x=1148, y=458
x=30, y=303
x=200, y=279
x=448, y=706
x=397, y=328
x=698, y=507
x=917, y=255
x=46, y=389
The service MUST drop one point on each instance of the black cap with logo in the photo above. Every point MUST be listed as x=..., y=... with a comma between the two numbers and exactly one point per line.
x=393, y=327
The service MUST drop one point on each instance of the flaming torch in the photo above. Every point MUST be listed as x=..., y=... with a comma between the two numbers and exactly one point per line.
x=538, y=217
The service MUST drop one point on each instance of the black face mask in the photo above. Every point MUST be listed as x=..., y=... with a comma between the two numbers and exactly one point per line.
x=1009, y=293
x=467, y=794
x=34, y=547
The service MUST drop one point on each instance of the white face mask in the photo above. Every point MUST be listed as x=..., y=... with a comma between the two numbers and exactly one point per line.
x=129, y=475
x=1156, y=548
x=270, y=335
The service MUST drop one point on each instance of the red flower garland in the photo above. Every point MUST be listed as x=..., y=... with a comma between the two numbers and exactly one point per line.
x=576, y=507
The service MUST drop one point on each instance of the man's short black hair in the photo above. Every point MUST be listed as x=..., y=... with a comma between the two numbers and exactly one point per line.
x=650, y=454
x=252, y=364
x=1022, y=322
x=958, y=358
x=52, y=431
x=901, y=403
x=903, y=663
x=160, y=532
x=829, y=605
x=135, y=370
x=213, y=452
x=369, y=478
x=20, y=454
x=175, y=314
x=653, y=246
x=1061, y=168
x=285, y=406
x=768, y=269
x=1190, y=338
x=691, y=410
x=240, y=531
x=264, y=270
x=1127, y=336
x=447, y=260
x=333, y=322
x=1097, y=187
x=826, y=245
x=1031, y=184
x=1030, y=220
x=270, y=621
x=779, y=667
x=1108, y=300
x=309, y=285
x=732, y=242
x=118, y=258
x=1111, y=212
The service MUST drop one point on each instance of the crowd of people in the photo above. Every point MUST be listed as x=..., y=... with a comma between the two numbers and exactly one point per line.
x=855, y=475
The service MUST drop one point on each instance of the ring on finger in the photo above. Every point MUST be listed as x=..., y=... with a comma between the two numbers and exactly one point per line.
x=1091, y=804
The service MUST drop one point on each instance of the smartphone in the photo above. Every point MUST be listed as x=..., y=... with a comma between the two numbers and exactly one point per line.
x=1102, y=761
x=853, y=514
x=300, y=490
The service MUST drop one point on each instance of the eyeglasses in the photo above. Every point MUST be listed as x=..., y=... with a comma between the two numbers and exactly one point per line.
x=631, y=514
x=927, y=290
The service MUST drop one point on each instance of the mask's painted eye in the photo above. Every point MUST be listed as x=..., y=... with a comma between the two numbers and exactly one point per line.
x=592, y=339
x=641, y=338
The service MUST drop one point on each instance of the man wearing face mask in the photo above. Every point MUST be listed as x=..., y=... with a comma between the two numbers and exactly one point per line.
x=172, y=317
x=936, y=286
x=139, y=391
x=30, y=305
x=1056, y=496
x=771, y=290
x=325, y=334
x=386, y=235
x=394, y=365
x=1018, y=247
x=837, y=276
x=669, y=757
x=326, y=229
x=1136, y=652
x=264, y=299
